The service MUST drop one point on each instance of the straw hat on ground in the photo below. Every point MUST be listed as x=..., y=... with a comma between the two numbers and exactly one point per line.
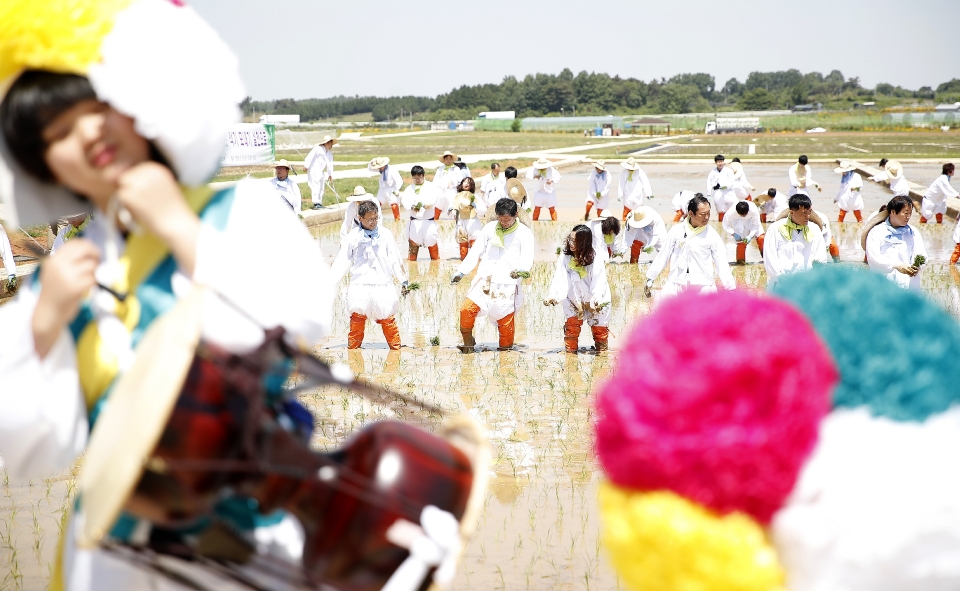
x=360, y=194
x=630, y=164
x=542, y=163
x=642, y=217
x=515, y=190
x=813, y=218
x=463, y=202
x=845, y=166
x=448, y=153
x=737, y=169
x=894, y=170
x=282, y=163
x=378, y=163
x=327, y=139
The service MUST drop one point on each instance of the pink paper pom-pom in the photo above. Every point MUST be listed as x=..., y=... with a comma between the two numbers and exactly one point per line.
x=717, y=398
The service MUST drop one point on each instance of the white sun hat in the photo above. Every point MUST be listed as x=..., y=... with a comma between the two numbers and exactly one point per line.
x=630, y=164
x=641, y=217
x=542, y=163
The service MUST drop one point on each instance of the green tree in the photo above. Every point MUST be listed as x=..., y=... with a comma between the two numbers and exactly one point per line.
x=884, y=88
x=758, y=99
x=798, y=94
x=680, y=98
x=516, y=125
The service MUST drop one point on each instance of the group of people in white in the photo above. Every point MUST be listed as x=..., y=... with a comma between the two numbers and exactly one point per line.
x=493, y=219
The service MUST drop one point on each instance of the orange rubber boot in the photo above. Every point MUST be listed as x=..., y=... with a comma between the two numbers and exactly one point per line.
x=553, y=213
x=464, y=249
x=434, y=252
x=939, y=218
x=635, y=249
x=571, y=334
x=741, y=252
x=760, y=243
x=506, y=328
x=720, y=215
x=396, y=211
x=923, y=220
x=586, y=216
x=355, y=337
x=834, y=250
x=436, y=214
x=413, y=251
x=677, y=216
x=956, y=255
x=601, y=337
x=536, y=214
x=763, y=218
x=856, y=214
x=842, y=215
x=626, y=212
x=391, y=332
x=599, y=212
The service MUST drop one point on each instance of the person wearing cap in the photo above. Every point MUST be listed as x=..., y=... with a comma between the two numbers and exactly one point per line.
x=319, y=167
x=580, y=287
x=286, y=187
x=645, y=232
x=468, y=211
x=598, y=189
x=608, y=236
x=694, y=253
x=9, y=264
x=370, y=254
x=504, y=252
x=892, y=244
x=545, y=195
x=801, y=177
x=771, y=204
x=720, y=184
x=795, y=242
x=634, y=187
x=492, y=186
x=420, y=198
x=741, y=186
x=390, y=184
x=679, y=203
x=849, y=197
x=159, y=231
x=446, y=179
x=351, y=216
x=935, y=198
x=742, y=223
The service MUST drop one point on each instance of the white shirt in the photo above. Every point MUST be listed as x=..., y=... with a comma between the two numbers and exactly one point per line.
x=428, y=196
x=599, y=182
x=742, y=187
x=319, y=164
x=542, y=175
x=800, y=182
x=940, y=190
x=371, y=261
x=599, y=242
x=493, y=189
x=634, y=188
x=747, y=227
x=390, y=184
x=653, y=235
x=6, y=253
x=592, y=289
x=42, y=433
x=850, y=189
x=496, y=262
x=887, y=248
x=682, y=199
x=774, y=207
x=782, y=256
x=289, y=191
x=694, y=260
x=446, y=179
x=725, y=179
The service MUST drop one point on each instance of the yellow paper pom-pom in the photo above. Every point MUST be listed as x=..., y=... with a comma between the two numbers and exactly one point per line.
x=55, y=35
x=659, y=541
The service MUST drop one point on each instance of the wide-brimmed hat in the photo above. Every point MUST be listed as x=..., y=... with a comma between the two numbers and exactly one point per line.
x=599, y=165
x=462, y=203
x=360, y=194
x=894, y=170
x=871, y=224
x=641, y=217
x=542, y=163
x=447, y=153
x=378, y=163
x=515, y=190
x=630, y=164
x=282, y=163
x=737, y=169
x=845, y=166
x=814, y=217
x=761, y=199
x=327, y=139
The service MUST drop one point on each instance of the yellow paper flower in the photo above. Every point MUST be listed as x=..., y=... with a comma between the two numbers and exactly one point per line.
x=659, y=541
x=55, y=35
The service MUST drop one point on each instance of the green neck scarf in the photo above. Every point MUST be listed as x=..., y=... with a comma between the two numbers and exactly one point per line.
x=573, y=266
x=691, y=231
x=787, y=230
x=500, y=234
x=608, y=238
x=630, y=176
x=416, y=189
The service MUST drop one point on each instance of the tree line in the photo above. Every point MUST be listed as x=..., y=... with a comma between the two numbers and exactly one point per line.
x=591, y=93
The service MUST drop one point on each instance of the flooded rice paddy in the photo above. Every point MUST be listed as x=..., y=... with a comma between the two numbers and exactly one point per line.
x=540, y=525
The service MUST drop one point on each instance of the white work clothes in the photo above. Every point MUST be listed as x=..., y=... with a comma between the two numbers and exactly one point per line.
x=747, y=227
x=782, y=256
x=492, y=289
x=289, y=192
x=681, y=199
x=6, y=252
x=935, y=199
x=825, y=230
x=694, y=261
x=373, y=263
x=582, y=297
x=547, y=178
x=889, y=247
x=351, y=219
x=724, y=196
x=598, y=188
x=774, y=207
x=900, y=187
x=388, y=193
x=653, y=235
x=801, y=179
x=492, y=189
x=633, y=189
x=421, y=229
x=848, y=197
x=319, y=165
x=742, y=187
x=467, y=229
x=616, y=243
x=446, y=179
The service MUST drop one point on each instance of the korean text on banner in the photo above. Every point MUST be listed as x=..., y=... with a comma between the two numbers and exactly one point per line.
x=249, y=144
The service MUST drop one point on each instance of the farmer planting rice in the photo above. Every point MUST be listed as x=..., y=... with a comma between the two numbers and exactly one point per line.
x=580, y=287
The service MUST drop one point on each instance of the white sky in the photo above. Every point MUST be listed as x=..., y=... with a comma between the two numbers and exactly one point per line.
x=380, y=48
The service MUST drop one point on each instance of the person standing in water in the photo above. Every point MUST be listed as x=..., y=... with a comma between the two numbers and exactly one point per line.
x=935, y=198
x=598, y=189
x=742, y=223
x=801, y=177
x=319, y=167
x=849, y=197
x=545, y=195
x=634, y=187
x=795, y=242
x=580, y=287
x=420, y=199
x=492, y=186
x=390, y=183
x=892, y=244
x=720, y=184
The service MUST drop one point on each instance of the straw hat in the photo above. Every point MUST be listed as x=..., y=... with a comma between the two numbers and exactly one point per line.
x=737, y=169
x=845, y=166
x=282, y=163
x=516, y=190
x=599, y=165
x=759, y=200
x=378, y=163
x=813, y=218
x=542, y=163
x=327, y=139
x=360, y=194
x=630, y=164
x=462, y=203
x=642, y=217
x=871, y=224
x=448, y=153
x=894, y=170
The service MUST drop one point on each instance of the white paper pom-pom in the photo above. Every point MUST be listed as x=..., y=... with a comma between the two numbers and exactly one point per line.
x=166, y=68
x=877, y=507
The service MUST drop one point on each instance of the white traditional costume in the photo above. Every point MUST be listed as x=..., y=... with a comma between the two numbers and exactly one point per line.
x=801, y=179
x=889, y=247
x=422, y=229
x=634, y=186
x=288, y=190
x=584, y=296
x=469, y=213
x=598, y=189
x=679, y=203
x=849, y=197
x=772, y=207
x=350, y=220
x=935, y=198
x=545, y=194
x=741, y=186
x=492, y=189
x=319, y=165
x=645, y=231
x=744, y=229
x=447, y=179
x=696, y=257
x=790, y=248
x=390, y=184
x=6, y=254
x=720, y=184
x=606, y=245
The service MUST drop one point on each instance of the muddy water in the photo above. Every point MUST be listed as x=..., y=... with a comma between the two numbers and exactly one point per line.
x=540, y=527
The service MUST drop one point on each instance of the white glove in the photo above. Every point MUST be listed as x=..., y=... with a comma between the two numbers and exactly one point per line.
x=434, y=543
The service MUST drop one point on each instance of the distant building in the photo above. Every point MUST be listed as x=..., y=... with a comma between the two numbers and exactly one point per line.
x=947, y=107
x=497, y=115
x=807, y=108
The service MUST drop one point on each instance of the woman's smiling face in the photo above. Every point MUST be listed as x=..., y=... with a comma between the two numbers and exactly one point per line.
x=89, y=146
